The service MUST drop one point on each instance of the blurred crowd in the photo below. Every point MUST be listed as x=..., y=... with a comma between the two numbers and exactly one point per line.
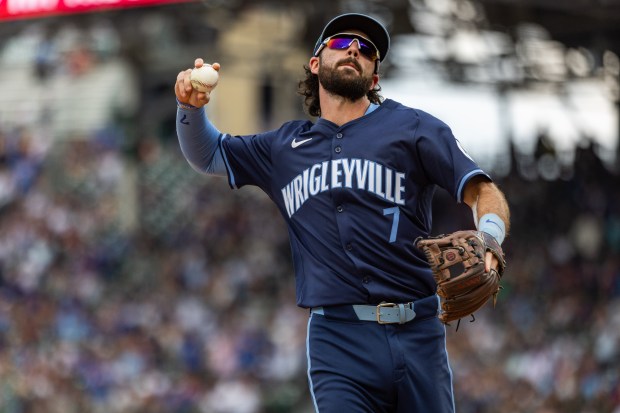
x=190, y=307
x=552, y=343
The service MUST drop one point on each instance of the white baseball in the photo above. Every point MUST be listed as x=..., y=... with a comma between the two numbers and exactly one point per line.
x=204, y=78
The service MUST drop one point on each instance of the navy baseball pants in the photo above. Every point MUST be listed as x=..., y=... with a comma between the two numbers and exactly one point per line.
x=367, y=367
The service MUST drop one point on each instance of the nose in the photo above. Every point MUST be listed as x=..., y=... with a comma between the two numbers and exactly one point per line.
x=354, y=48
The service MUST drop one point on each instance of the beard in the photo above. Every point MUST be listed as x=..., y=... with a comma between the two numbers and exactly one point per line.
x=343, y=83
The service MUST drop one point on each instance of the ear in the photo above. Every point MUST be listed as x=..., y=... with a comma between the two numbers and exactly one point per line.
x=375, y=81
x=314, y=65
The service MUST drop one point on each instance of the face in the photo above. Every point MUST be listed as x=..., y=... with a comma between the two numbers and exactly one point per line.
x=346, y=72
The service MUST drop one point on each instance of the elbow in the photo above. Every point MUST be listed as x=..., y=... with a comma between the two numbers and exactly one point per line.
x=197, y=167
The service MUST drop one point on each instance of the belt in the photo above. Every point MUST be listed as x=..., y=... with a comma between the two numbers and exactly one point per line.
x=384, y=313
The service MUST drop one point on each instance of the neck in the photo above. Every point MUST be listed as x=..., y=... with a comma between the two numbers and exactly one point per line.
x=339, y=110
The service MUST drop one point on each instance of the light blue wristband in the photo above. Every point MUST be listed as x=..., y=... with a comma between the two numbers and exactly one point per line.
x=493, y=225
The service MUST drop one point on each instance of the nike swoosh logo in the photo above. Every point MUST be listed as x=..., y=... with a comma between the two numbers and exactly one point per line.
x=184, y=120
x=493, y=222
x=296, y=143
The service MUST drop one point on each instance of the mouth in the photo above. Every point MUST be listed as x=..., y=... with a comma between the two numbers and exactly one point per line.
x=351, y=64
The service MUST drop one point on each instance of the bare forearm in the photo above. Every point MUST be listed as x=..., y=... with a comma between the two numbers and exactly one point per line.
x=490, y=208
x=492, y=201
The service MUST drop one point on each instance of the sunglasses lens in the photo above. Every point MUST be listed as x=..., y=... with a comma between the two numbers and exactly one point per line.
x=340, y=43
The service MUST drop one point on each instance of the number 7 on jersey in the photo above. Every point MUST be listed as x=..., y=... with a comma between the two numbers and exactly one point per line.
x=396, y=212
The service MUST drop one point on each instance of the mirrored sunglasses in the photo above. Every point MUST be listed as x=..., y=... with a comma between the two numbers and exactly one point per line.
x=342, y=41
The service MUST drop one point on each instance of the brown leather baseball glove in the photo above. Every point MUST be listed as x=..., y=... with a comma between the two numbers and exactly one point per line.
x=457, y=262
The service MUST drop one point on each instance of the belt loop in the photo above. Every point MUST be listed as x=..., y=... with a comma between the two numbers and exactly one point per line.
x=401, y=314
x=317, y=310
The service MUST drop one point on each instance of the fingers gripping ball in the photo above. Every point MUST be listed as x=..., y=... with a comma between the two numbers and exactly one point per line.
x=457, y=262
x=204, y=78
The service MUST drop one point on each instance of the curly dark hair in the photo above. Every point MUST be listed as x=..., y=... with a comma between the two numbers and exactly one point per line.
x=309, y=89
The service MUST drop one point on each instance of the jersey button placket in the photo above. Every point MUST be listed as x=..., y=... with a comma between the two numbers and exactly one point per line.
x=338, y=147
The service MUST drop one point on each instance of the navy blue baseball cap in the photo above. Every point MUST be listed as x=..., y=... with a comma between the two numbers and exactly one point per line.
x=375, y=31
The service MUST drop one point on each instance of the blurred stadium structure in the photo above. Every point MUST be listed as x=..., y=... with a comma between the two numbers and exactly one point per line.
x=129, y=283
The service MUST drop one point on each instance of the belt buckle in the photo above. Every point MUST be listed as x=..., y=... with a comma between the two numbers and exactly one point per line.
x=379, y=306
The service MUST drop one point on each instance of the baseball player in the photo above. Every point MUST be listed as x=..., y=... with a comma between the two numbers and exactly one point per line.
x=355, y=190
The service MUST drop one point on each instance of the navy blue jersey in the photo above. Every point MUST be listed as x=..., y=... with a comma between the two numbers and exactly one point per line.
x=355, y=197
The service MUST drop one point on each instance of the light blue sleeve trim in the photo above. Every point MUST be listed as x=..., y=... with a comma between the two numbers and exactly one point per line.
x=199, y=141
x=231, y=176
x=459, y=192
